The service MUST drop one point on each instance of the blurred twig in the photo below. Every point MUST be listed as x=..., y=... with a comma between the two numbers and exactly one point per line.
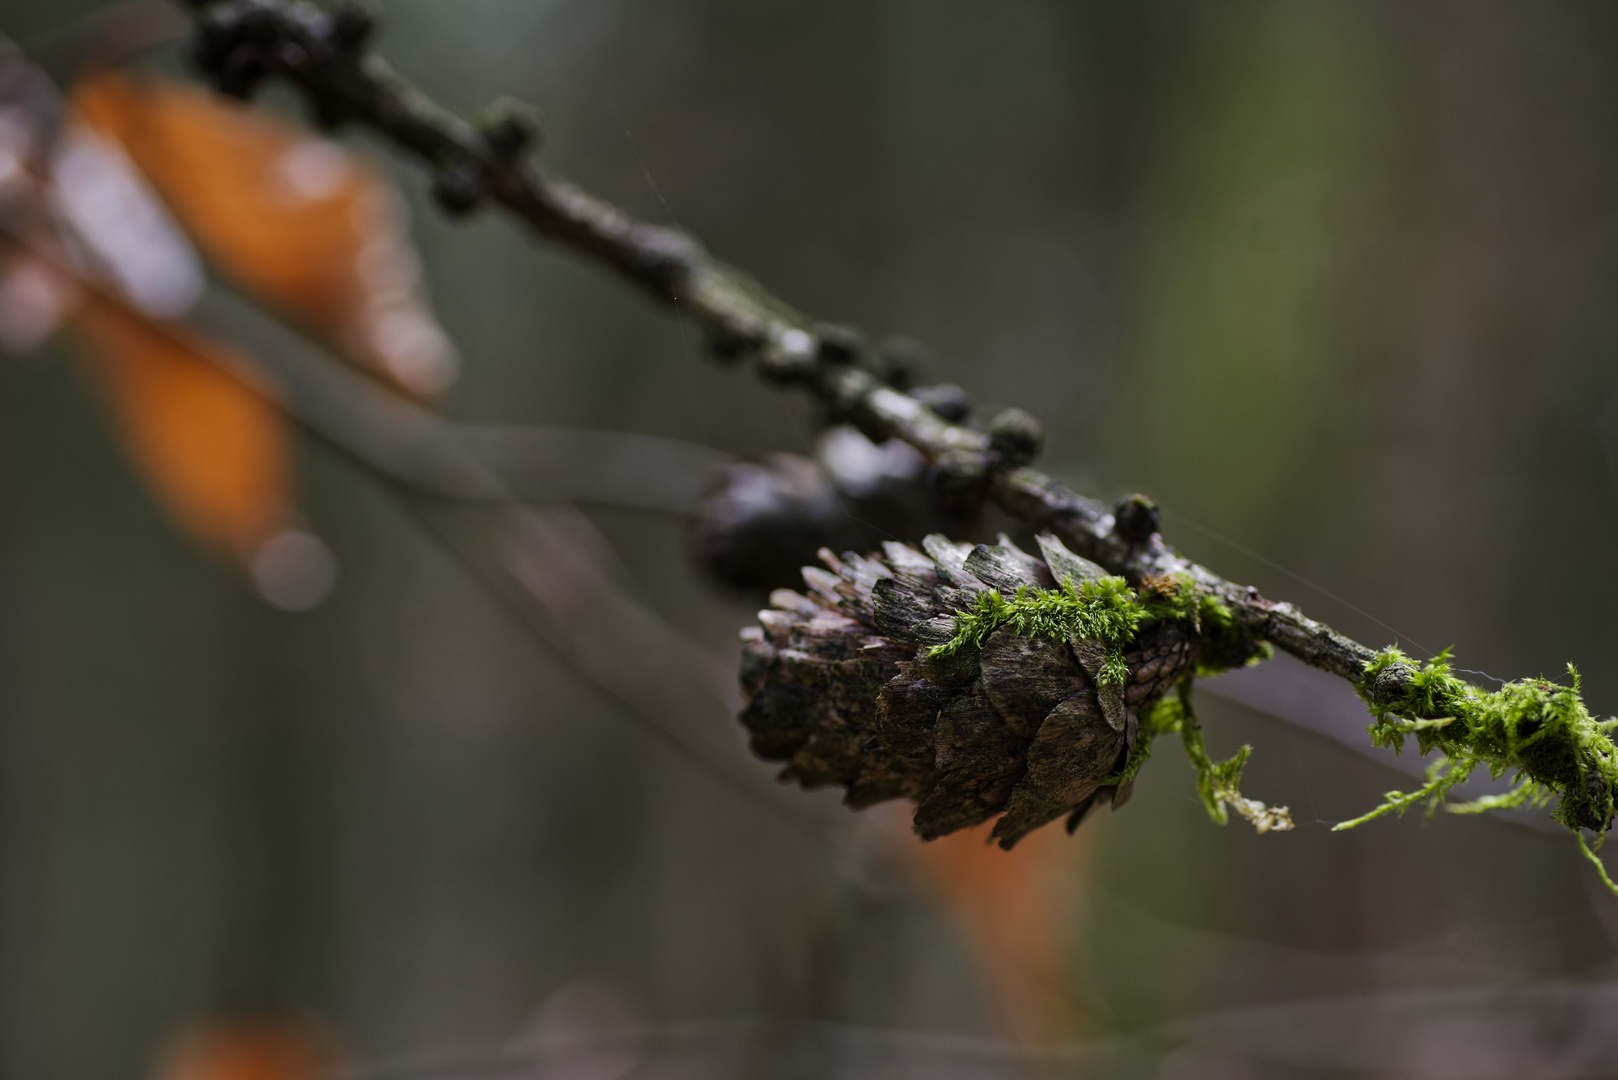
x=1491, y=1030
x=417, y=447
x=239, y=43
x=641, y=472
x=549, y=566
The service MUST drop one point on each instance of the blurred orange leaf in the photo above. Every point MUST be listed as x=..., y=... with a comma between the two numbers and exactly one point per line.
x=212, y=448
x=1017, y=911
x=247, y=1050
x=296, y=219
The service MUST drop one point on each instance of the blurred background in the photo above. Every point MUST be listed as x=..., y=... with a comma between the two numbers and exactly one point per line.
x=1334, y=282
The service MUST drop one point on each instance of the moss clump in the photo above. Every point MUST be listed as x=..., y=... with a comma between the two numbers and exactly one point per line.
x=1104, y=609
x=1537, y=729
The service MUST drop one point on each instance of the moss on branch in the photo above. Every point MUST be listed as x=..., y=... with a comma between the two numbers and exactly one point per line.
x=1536, y=729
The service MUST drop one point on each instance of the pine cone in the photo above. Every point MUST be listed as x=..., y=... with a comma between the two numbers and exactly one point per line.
x=844, y=686
x=758, y=523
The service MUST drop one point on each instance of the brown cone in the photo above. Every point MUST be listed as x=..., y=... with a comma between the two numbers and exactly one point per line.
x=840, y=686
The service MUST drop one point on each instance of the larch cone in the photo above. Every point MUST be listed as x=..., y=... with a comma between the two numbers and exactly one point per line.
x=842, y=685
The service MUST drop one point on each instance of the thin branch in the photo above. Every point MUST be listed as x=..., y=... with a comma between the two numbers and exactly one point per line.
x=485, y=463
x=551, y=568
x=612, y=468
x=547, y=566
x=239, y=43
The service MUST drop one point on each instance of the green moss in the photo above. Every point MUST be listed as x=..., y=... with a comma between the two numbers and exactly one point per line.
x=1104, y=609
x=1536, y=729
x=1217, y=781
x=1216, y=617
x=1590, y=854
x=1175, y=598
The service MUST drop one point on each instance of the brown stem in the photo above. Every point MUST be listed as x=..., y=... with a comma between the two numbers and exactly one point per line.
x=240, y=42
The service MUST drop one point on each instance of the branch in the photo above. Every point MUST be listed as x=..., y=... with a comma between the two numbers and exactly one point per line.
x=239, y=43
x=549, y=566
x=418, y=448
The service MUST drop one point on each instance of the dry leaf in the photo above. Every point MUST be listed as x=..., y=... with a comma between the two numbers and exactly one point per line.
x=86, y=236
x=212, y=448
x=296, y=219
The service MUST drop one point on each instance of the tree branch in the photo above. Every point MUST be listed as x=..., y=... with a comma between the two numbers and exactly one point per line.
x=548, y=566
x=239, y=43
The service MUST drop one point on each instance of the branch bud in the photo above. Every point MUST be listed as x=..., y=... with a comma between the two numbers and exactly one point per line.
x=1391, y=684
x=729, y=345
x=900, y=360
x=352, y=24
x=1135, y=518
x=510, y=127
x=958, y=479
x=949, y=401
x=1016, y=436
x=458, y=187
x=789, y=357
x=839, y=344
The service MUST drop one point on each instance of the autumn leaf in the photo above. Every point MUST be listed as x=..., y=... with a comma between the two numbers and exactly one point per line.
x=297, y=220
x=212, y=448
x=86, y=242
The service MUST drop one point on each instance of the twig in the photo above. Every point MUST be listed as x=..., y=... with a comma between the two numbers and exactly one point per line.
x=549, y=567
x=486, y=463
x=641, y=472
x=239, y=43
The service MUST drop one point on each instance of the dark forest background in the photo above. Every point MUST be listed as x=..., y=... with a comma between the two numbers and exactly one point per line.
x=1333, y=280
